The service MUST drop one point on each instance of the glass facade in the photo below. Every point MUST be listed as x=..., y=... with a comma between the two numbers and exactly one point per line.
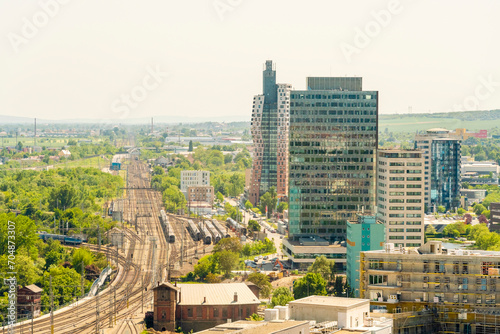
x=333, y=142
x=445, y=173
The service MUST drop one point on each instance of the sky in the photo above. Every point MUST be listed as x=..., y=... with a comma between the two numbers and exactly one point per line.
x=202, y=59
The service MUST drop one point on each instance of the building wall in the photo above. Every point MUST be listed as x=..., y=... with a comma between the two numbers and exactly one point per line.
x=445, y=173
x=401, y=196
x=321, y=313
x=191, y=178
x=333, y=142
x=164, y=308
x=364, y=235
x=201, y=194
x=494, y=216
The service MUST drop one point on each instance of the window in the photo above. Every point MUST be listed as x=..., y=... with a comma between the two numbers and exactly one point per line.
x=216, y=312
x=378, y=279
x=190, y=312
x=199, y=312
x=224, y=312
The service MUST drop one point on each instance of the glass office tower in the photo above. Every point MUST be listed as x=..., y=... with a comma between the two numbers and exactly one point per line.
x=333, y=143
x=445, y=173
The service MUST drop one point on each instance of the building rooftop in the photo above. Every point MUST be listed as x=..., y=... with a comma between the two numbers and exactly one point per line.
x=253, y=327
x=216, y=294
x=298, y=248
x=33, y=288
x=331, y=301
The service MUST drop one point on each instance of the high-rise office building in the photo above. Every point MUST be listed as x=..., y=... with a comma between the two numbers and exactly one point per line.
x=445, y=173
x=433, y=196
x=333, y=143
x=400, y=196
x=269, y=127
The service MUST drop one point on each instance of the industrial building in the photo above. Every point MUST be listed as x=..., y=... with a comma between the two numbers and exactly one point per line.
x=457, y=287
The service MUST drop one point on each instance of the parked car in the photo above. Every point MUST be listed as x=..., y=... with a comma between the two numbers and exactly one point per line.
x=266, y=257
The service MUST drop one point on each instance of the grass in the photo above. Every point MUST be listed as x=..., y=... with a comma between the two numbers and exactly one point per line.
x=95, y=162
x=411, y=123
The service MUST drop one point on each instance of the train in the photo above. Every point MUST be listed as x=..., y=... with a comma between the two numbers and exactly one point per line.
x=221, y=229
x=216, y=236
x=167, y=227
x=205, y=233
x=236, y=226
x=193, y=230
x=64, y=239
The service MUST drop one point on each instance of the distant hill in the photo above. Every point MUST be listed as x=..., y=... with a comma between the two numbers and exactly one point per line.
x=470, y=120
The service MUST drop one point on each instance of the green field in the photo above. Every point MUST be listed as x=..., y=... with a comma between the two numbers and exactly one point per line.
x=28, y=141
x=410, y=123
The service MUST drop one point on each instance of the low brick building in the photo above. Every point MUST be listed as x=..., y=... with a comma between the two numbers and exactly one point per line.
x=200, y=194
x=29, y=299
x=201, y=306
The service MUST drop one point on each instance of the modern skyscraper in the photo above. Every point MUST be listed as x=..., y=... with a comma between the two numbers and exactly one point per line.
x=425, y=142
x=270, y=124
x=333, y=143
x=400, y=196
x=445, y=173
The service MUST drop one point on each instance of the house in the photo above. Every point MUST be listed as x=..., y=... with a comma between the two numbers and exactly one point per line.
x=64, y=154
x=29, y=300
x=201, y=306
x=163, y=162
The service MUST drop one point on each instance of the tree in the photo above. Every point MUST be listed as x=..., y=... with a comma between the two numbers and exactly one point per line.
x=158, y=170
x=219, y=197
x=228, y=158
x=310, y=284
x=268, y=200
x=281, y=296
x=441, y=209
x=282, y=207
x=228, y=244
x=461, y=211
x=81, y=257
x=430, y=230
x=248, y=205
x=190, y=149
x=262, y=281
x=227, y=261
x=19, y=146
x=324, y=267
x=253, y=225
x=478, y=209
x=63, y=197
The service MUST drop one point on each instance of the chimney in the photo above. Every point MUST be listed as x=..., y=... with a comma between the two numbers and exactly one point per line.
x=235, y=297
x=175, y=283
x=204, y=300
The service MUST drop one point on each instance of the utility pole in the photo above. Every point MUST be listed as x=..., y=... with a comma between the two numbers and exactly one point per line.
x=111, y=309
x=32, y=316
x=51, y=307
x=114, y=306
x=82, y=291
x=142, y=293
x=97, y=328
x=99, y=236
x=127, y=292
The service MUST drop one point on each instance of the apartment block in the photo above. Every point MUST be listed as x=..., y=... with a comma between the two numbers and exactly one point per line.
x=457, y=287
x=333, y=143
x=401, y=196
x=269, y=128
x=200, y=194
x=194, y=178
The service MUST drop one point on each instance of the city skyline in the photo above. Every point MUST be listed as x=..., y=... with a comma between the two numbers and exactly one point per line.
x=59, y=65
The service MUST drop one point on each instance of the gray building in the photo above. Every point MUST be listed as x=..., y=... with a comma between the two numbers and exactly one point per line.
x=333, y=143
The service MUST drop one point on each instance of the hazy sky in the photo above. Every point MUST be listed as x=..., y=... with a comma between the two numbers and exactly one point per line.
x=92, y=59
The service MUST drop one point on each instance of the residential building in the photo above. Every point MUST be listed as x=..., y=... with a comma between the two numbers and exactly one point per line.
x=458, y=287
x=400, y=196
x=200, y=194
x=269, y=128
x=434, y=193
x=194, y=178
x=494, y=217
x=29, y=301
x=445, y=173
x=364, y=234
x=201, y=306
x=333, y=143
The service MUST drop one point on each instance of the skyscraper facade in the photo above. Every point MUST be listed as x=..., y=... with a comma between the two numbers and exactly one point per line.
x=445, y=173
x=269, y=127
x=333, y=143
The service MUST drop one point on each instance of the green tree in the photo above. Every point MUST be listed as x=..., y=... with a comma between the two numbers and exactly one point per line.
x=19, y=146
x=441, y=209
x=190, y=149
x=478, y=209
x=430, y=230
x=157, y=170
x=281, y=296
x=269, y=201
x=282, y=207
x=227, y=261
x=65, y=284
x=63, y=197
x=253, y=225
x=324, y=267
x=248, y=205
x=461, y=211
x=219, y=197
x=228, y=158
x=262, y=281
x=310, y=284
x=81, y=257
x=228, y=244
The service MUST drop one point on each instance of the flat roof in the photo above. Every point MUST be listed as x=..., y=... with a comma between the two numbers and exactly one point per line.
x=330, y=249
x=253, y=327
x=331, y=301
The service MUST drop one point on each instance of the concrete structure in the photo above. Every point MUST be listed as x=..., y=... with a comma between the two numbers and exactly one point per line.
x=442, y=157
x=269, y=127
x=494, y=217
x=471, y=196
x=200, y=194
x=400, y=196
x=29, y=301
x=457, y=286
x=347, y=312
x=302, y=253
x=333, y=143
x=201, y=306
x=194, y=178
x=260, y=327
x=364, y=234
